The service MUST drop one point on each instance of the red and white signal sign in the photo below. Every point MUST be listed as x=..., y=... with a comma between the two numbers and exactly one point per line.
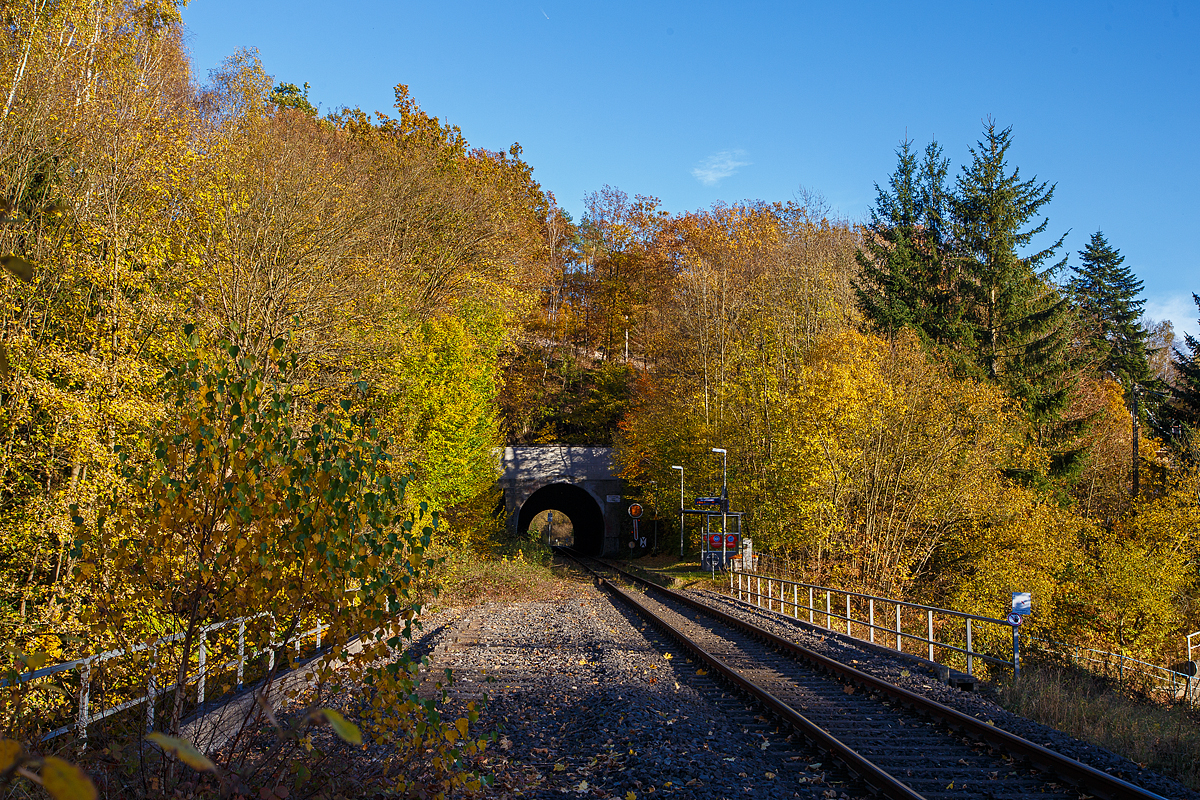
x=635, y=510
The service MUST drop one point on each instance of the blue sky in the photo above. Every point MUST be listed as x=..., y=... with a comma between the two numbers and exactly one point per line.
x=699, y=102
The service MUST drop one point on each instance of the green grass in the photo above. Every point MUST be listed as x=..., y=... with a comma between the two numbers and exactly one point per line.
x=672, y=572
x=518, y=573
x=1160, y=736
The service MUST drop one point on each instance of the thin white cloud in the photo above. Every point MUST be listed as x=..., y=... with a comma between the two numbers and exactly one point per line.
x=720, y=166
x=1179, y=308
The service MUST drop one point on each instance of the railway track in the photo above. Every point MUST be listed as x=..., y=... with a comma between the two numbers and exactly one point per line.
x=899, y=743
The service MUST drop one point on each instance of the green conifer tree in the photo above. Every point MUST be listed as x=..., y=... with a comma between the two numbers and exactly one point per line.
x=906, y=275
x=1106, y=295
x=885, y=287
x=1018, y=323
x=1185, y=394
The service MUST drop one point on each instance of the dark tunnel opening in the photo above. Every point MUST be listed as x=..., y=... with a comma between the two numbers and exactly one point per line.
x=576, y=503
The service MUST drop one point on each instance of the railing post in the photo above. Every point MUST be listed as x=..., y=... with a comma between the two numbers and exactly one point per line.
x=871, y=616
x=848, y=631
x=796, y=600
x=828, y=611
x=271, y=645
x=151, y=689
x=85, y=693
x=811, y=603
x=758, y=592
x=1016, y=653
x=739, y=586
x=970, y=657
x=930, y=636
x=241, y=650
x=899, y=639
x=201, y=665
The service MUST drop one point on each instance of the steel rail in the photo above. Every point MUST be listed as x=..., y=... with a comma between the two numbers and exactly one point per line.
x=1085, y=777
x=879, y=780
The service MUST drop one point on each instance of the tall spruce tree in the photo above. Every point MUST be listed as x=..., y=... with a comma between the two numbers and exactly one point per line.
x=906, y=277
x=1106, y=295
x=1017, y=322
x=1185, y=394
x=887, y=285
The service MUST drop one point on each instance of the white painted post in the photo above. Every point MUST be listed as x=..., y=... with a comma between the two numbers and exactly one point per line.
x=739, y=586
x=758, y=593
x=931, y=636
x=202, y=663
x=848, y=631
x=970, y=656
x=152, y=689
x=241, y=651
x=811, y=603
x=85, y=693
x=899, y=638
x=828, y=611
x=796, y=600
x=871, y=612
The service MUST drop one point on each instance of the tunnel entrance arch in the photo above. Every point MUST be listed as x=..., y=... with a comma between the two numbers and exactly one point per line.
x=580, y=481
x=586, y=515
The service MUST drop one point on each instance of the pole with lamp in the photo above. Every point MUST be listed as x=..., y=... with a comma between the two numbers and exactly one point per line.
x=676, y=466
x=724, y=502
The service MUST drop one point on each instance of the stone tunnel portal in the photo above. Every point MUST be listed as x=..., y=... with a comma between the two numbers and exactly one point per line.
x=576, y=503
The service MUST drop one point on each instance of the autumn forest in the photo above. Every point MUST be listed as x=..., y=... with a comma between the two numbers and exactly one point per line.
x=238, y=334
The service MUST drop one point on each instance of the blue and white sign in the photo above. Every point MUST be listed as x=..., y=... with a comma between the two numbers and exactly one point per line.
x=1022, y=603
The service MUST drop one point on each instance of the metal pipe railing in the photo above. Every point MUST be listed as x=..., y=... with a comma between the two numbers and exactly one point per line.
x=752, y=593
x=84, y=715
x=1164, y=679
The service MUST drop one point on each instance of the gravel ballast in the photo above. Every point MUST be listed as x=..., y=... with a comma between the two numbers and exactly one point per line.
x=589, y=700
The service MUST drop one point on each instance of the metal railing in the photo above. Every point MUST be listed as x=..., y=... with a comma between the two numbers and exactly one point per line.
x=752, y=591
x=85, y=667
x=1124, y=668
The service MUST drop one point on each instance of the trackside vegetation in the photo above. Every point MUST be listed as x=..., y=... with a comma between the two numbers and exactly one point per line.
x=257, y=357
